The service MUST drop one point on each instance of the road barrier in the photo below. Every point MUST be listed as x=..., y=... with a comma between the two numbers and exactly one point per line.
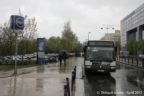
x=65, y=90
x=67, y=80
x=67, y=87
x=75, y=71
x=133, y=61
x=73, y=77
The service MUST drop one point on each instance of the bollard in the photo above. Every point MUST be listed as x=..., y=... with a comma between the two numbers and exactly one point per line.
x=68, y=88
x=75, y=71
x=142, y=63
x=128, y=60
x=74, y=74
x=75, y=67
x=65, y=90
x=73, y=77
x=118, y=58
x=137, y=61
x=132, y=60
x=72, y=81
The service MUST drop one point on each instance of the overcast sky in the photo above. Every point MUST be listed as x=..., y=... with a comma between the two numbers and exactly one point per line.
x=85, y=15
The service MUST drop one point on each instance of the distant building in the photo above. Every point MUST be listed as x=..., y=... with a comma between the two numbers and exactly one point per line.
x=112, y=36
x=132, y=26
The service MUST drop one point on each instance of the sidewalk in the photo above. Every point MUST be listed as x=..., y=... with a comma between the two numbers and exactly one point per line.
x=44, y=80
x=5, y=74
x=79, y=82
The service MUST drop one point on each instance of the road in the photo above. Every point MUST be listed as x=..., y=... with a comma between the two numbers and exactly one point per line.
x=49, y=80
x=126, y=81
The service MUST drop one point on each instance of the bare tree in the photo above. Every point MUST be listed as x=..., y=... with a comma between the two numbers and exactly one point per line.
x=7, y=36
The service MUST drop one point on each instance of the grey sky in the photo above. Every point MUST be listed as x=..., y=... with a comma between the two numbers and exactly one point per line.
x=85, y=15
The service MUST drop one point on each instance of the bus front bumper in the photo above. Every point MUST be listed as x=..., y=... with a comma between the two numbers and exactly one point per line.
x=100, y=68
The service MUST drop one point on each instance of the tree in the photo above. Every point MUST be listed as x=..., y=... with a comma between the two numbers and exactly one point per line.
x=134, y=46
x=28, y=35
x=52, y=45
x=26, y=40
x=7, y=40
x=27, y=46
x=69, y=39
x=78, y=48
x=117, y=44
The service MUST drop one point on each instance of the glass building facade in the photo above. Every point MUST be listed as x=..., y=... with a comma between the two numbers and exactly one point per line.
x=132, y=26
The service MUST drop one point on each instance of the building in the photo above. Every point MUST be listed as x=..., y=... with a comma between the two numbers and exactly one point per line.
x=112, y=36
x=132, y=26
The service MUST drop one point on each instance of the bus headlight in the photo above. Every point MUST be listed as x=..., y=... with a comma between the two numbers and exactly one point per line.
x=113, y=63
x=88, y=63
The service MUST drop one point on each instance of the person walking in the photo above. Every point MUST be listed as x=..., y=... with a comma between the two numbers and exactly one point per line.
x=64, y=57
x=60, y=57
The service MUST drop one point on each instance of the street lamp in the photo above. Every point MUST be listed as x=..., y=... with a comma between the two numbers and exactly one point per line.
x=107, y=27
x=88, y=35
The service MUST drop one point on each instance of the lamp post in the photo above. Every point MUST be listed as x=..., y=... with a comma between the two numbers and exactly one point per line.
x=88, y=35
x=107, y=27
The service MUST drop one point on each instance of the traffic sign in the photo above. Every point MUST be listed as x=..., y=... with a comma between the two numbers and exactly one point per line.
x=17, y=22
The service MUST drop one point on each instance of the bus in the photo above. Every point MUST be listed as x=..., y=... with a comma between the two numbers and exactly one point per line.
x=100, y=56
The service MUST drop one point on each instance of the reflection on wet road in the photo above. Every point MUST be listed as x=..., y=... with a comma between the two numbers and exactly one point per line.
x=49, y=80
x=97, y=83
x=126, y=81
x=46, y=80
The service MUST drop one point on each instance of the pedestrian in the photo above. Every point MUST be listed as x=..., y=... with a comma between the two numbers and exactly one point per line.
x=64, y=57
x=60, y=58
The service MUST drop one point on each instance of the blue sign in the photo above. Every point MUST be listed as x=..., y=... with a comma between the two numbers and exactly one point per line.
x=40, y=44
x=17, y=22
x=40, y=51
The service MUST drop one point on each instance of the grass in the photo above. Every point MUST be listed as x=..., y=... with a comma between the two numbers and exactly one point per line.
x=6, y=67
x=10, y=67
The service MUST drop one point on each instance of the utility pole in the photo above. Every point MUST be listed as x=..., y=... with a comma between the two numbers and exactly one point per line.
x=16, y=49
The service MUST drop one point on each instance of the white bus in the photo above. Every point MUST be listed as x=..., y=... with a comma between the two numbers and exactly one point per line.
x=100, y=56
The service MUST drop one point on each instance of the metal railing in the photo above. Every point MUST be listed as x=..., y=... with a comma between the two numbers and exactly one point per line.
x=133, y=61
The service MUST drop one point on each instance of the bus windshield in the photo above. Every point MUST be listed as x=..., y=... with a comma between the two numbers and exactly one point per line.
x=100, y=53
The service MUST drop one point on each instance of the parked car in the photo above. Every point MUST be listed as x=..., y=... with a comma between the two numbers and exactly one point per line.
x=141, y=56
x=52, y=57
x=1, y=59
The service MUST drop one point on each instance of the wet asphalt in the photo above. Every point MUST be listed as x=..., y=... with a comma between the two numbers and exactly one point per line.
x=43, y=80
x=49, y=80
x=126, y=81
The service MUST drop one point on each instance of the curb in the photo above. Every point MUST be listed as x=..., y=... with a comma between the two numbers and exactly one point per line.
x=79, y=91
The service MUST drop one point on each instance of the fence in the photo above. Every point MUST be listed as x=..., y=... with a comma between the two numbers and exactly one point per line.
x=133, y=61
x=67, y=86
